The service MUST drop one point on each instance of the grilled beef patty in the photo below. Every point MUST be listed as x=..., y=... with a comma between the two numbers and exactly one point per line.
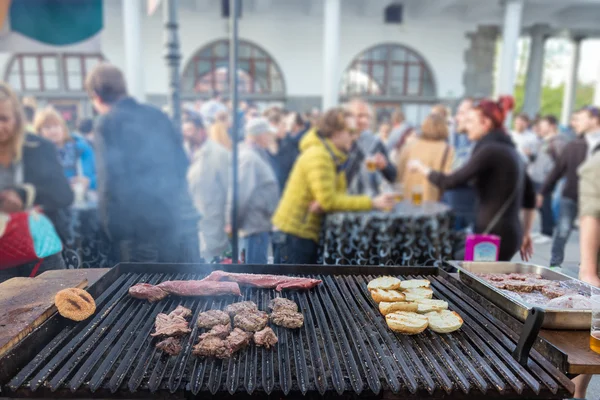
x=220, y=331
x=243, y=306
x=212, y=346
x=238, y=339
x=210, y=318
x=281, y=303
x=265, y=338
x=251, y=321
x=287, y=319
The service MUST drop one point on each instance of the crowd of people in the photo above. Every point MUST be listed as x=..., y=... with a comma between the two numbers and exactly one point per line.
x=170, y=198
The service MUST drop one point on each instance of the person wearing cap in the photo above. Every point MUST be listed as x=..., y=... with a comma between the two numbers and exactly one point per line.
x=258, y=191
x=502, y=185
x=575, y=153
x=208, y=180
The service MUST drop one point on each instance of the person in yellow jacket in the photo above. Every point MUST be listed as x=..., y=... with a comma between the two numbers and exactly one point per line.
x=317, y=185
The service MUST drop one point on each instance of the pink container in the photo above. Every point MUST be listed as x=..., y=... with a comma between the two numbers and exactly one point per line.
x=482, y=248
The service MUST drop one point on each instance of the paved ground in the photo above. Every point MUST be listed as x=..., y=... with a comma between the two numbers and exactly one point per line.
x=570, y=267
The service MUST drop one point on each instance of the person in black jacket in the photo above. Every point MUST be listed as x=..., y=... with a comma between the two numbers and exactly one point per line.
x=141, y=165
x=500, y=180
x=288, y=146
x=30, y=174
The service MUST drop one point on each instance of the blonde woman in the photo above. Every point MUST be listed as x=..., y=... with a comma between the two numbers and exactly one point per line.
x=432, y=149
x=30, y=174
x=75, y=154
x=218, y=132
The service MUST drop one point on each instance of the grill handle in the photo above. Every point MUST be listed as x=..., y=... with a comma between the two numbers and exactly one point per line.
x=530, y=332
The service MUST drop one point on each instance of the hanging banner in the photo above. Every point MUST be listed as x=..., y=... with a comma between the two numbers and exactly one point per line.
x=56, y=22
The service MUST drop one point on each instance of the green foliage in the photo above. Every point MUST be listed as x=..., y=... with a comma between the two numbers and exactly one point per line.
x=552, y=98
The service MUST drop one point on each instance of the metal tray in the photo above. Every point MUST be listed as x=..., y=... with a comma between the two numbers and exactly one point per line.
x=554, y=319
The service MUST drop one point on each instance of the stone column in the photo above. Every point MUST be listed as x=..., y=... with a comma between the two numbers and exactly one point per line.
x=511, y=29
x=478, y=77
x=571, y=81
x=331, y=53
x=132, y=38
x=535, y=70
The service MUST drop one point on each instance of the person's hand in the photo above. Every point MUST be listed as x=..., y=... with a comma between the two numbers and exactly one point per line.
x=539, y=201
x=417, y=166
x=384, y=201
x=315, y=208
x=526, y=248
x=380, y=161
x=82, y=180
x=592, y=278
x=10, y=202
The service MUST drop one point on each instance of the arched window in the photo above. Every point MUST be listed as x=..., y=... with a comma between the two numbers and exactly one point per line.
x=258, y=74
x=388, y=70
x=50, y=72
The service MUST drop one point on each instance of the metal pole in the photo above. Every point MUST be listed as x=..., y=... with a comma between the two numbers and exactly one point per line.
x=173, y=56
x=233, y=85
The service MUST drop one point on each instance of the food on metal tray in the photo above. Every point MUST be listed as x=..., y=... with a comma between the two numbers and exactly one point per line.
x=265, y=338
x=200, y=288
x=243, y=306
x=414, y=283
x=287, y=319
x=384, y=282
x=556, y=291
x=251, y=321
x=170, y=345
x=428, y=305
x=444, y=321
x=418, y=293
x=277, y=282
x=386, y=308
x=408, y=323
x=210, y=318
x=575, y=302
x=75, y=304
x=146, y=291
x=220, y=331
x=172, y=324
x=280, y=303
x=386, y=295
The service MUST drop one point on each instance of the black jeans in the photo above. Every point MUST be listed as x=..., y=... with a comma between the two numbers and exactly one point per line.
x=52, y=262
x=298, y=251
x=546, y=214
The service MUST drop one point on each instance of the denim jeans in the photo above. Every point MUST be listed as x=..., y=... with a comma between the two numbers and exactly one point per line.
x=564, y=226
x=299, y=251
x=256, y=247
x=546, y=214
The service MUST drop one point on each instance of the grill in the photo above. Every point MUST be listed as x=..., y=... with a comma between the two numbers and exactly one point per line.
x=344, y=347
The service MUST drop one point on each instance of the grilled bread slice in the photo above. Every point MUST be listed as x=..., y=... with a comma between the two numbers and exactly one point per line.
x=414, y=283
x=387, y=308
x=386, y=295
x=384, y=282
x=428, y=305
x=418, y=293
x=408, y=323
x=444, y=321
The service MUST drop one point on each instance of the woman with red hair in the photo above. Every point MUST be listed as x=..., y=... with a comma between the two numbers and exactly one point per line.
x=499, y=177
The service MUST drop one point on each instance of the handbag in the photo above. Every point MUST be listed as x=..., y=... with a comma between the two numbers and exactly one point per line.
x=26, y=236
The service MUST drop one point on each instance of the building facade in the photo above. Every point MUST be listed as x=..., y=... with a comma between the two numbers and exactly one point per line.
x=309, y=53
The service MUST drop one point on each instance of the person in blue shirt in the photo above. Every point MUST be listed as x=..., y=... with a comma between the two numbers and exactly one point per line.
x=461, y=199
x=75, y=154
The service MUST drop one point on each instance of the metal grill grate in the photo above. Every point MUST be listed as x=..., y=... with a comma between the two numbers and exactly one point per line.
x=344, y=347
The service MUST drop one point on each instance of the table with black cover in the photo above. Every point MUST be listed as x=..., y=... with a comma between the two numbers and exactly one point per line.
x=84, y=242
x=407, y=235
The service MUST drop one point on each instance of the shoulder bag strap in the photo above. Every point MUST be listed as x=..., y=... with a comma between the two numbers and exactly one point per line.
x=500, y=213
x=445, y=157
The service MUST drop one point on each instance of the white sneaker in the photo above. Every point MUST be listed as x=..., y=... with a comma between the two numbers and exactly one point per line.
x=535, y=235
x=542, y=239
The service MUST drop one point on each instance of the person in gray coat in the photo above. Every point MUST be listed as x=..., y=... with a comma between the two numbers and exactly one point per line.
x=258, y=193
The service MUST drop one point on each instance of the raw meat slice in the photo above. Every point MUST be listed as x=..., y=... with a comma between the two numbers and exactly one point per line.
x=279, y=282
x=200, y=288
x=146, y=291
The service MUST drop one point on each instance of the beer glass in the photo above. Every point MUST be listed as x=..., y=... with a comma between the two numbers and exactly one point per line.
x=417, y=195
x=371, y=165
x=595, y=331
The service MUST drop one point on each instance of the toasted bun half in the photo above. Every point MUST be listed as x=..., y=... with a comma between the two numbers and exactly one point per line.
x=386, y=295
x=444, y=321
x=414, y=283
x=387, y=308
x=75, y=304
x=418, y=293
x=408, y=323
x=428, y=305
x=384, y=282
